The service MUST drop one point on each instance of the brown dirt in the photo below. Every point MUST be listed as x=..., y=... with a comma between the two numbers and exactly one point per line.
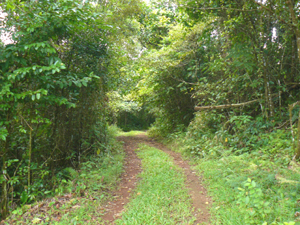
x=132, y=167
x=198, y=193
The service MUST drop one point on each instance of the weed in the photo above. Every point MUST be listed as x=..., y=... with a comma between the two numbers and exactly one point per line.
x=251, y=198
x=257, y=187
x=80, y=196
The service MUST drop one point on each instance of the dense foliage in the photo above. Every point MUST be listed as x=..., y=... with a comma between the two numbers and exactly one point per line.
x=237, y=64
x=54, y=76
x=238, y=60
x=74, y=66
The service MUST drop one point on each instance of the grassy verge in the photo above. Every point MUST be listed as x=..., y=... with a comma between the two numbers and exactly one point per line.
x=246, y=190
x=119, y=132
x=132, y=133
x=161, y=196
x=250, y=188
x=79, y=199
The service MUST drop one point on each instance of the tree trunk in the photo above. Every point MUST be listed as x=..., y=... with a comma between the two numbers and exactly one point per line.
x=4, y=200
x=297, y=156
x=291, y=124
x=295, y=26
x=4, y=197
x=29, y=159
x=296, y=30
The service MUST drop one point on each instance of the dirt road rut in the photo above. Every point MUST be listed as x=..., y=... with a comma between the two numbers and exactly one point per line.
x=197, y=191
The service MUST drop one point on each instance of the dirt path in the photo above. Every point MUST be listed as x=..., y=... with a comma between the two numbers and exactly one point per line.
x=198, y=193
x=129, y=180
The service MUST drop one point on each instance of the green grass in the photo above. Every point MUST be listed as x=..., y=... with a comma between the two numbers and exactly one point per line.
x=251, y=188
x=87, y=191
x=116, y=131
x=97, y=179
x=132, y=133
x=245, y=191
x=161, y=196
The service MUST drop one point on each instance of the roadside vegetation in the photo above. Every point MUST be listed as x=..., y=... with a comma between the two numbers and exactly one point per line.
x=80, y=196
x=55, y=73
x=254, y=184
x=223, y=83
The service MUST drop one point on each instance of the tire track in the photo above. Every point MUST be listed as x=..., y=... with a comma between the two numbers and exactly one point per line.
x=200, y=201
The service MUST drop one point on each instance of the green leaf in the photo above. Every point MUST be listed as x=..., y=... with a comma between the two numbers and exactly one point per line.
x=247, y=200
x=24, y=197
x=36, y=220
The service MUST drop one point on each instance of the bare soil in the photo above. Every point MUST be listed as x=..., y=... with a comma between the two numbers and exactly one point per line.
x=132, y=167
x=201, y=202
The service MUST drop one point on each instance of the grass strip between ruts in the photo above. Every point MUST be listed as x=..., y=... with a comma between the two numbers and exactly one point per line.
x=161, y=196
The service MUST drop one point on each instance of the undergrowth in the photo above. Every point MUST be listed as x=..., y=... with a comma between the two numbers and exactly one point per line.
x=80, y=197
x=161, y=196
x=250, y=172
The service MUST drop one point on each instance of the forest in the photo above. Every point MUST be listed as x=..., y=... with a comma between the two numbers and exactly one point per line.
x=218, y=80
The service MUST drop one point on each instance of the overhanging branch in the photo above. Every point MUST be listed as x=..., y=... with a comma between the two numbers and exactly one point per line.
x=271, y=12
x=198, y=108
x=222, y=8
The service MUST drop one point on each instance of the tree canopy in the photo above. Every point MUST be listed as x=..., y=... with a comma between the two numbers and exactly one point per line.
x=73, y=67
